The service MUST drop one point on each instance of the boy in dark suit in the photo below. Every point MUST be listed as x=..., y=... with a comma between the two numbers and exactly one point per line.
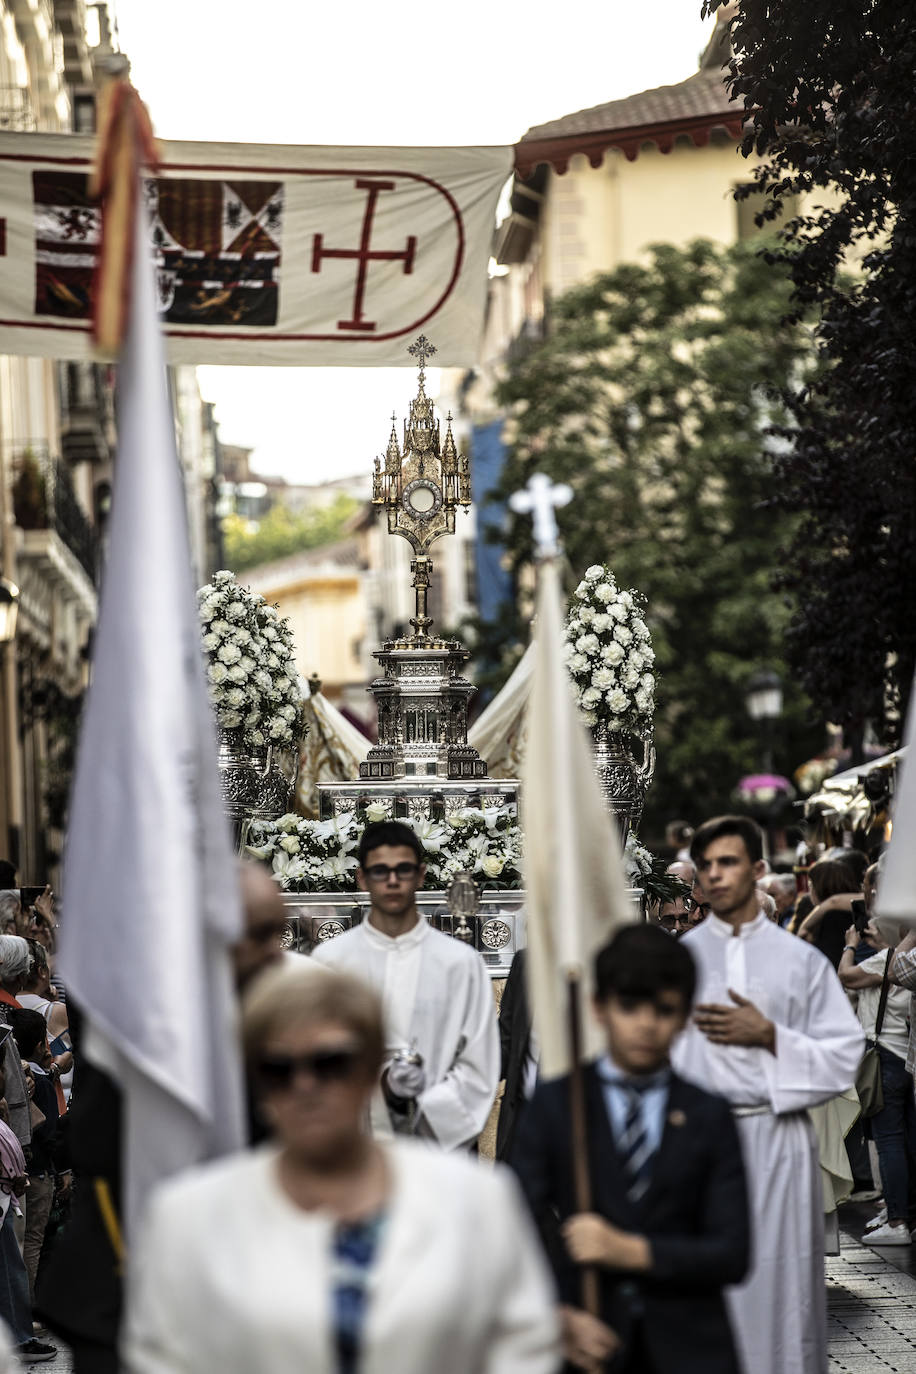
x=669, y=1226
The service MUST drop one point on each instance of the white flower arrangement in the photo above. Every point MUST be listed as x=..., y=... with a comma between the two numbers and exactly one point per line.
x=609, y=653
x=320, y=856
x=251, y=665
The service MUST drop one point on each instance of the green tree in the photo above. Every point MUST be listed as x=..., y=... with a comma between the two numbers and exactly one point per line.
x=283, y=532
x=828, y=86
x=652, y=395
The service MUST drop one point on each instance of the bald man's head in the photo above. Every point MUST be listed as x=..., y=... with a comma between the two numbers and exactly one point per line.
x=265, y=921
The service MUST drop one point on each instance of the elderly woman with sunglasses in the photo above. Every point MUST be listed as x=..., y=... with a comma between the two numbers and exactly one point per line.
x=327, y=1251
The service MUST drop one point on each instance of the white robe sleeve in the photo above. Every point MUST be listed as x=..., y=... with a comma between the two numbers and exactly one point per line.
x=819, y=1059
x=456, y=1108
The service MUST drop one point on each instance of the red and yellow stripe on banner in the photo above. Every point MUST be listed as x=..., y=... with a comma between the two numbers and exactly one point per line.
x=125, y=145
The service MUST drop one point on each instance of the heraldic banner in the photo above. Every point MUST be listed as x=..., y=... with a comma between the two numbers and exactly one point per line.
x=272, y=255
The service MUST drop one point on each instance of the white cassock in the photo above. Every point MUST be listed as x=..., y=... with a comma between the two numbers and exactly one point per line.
x=229, y=1276
x=779, y=1311
x=438, y=1001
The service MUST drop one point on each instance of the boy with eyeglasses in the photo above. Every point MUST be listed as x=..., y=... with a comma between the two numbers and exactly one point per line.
x=442, y=1054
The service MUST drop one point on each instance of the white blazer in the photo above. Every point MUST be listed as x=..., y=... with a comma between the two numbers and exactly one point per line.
x=230, y=1277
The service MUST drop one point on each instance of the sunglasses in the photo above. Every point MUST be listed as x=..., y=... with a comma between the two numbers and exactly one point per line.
x=277, y=1072
x=380, y=873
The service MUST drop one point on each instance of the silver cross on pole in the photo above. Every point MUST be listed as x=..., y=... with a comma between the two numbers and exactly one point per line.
x=540, y=500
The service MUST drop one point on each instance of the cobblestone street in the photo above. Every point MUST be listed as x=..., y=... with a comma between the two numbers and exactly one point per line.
x=871, y=1310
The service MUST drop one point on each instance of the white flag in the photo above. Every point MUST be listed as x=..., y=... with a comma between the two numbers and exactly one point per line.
x=150, y=888
x=897, y=888
x=266, y=255
x=576, y=893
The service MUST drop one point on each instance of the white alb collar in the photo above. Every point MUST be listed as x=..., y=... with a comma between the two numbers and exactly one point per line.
x=745, y=931
x=389, y=943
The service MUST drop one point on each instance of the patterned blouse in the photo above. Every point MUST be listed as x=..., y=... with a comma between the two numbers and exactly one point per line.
x=355, y=1246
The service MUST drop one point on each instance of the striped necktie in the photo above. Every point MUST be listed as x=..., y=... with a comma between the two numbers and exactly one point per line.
x=634, y=1146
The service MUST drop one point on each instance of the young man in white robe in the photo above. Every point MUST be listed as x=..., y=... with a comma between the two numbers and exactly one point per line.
x=773, y=1032
x=442, y=1064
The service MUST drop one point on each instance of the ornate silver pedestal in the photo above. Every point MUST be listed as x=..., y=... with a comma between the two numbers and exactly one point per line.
x=424, y=801
x=623, y=780
x=253, y=784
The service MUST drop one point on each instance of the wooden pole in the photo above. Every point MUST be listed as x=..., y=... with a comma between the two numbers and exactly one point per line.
x=582, y=1183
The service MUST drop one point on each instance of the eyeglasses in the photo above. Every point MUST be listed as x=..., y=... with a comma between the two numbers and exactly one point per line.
x=277, y=1072
x=380, y=873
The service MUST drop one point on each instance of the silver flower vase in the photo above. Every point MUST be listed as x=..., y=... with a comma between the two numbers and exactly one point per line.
x=622, y=778
x=254, y=786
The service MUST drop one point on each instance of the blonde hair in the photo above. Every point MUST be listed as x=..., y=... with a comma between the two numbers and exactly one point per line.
x=306, y=991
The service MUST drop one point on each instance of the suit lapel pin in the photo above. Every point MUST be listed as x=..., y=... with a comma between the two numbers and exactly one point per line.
x=677, y=1117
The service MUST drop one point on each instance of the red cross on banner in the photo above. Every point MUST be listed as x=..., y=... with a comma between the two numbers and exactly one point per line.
x=266, y=255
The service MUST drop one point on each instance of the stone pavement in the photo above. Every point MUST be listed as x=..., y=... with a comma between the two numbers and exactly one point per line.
x=871, y=1311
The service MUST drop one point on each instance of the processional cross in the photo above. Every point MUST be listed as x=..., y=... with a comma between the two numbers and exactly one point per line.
x=540, y=499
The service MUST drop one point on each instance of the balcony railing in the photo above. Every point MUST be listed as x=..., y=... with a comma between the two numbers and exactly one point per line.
x=44, y=499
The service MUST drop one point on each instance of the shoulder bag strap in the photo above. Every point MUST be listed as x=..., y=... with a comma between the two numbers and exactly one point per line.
x=885, y=989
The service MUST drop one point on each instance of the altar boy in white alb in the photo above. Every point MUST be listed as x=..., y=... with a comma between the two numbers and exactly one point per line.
x=773, y=1032
x=442, y=1067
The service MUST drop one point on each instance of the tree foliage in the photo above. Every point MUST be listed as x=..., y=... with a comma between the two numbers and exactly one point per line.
x=651, y=396
x=829, y=86
x=283, y=531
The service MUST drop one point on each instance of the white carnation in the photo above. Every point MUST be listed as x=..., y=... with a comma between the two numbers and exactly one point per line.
x=237, y=673
x=623, y=634
x=602, y=678
x=220, y=627
x=605, y=591
x=594, y=573
x=229, y=652
x=643, y=702
x=617, y=701
x=587, y=644
x=612, y=654
x=235, y=610
x=230, y=720
x=647, y=682
x=235, y=697
x=586, y=615
x=590, y=717
x=210, y=641
x=590, y=697
x=574, y=628
x=256, y=738
x=626, y=599
x=582, y=590
x=217, y=673
x=600, y=621
x=629, y=677
x=616, y=611
x=578, y=663
x=640, y=628
x=222, y=577
x=278, y=728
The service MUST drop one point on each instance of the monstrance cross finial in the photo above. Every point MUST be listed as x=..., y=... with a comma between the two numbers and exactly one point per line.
x=421, y=350
x=540, y=500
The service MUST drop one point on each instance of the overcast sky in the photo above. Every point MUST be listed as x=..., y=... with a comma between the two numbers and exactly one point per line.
x=364, y=72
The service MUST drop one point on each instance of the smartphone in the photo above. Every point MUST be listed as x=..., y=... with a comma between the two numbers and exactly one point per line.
x=859, y=915
x=29, y=896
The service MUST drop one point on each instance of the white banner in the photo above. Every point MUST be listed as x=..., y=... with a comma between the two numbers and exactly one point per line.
x=272, y=255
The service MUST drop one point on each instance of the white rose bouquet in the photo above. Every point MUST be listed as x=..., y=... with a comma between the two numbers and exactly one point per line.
x=251, y=666
x=320, y=856
x=609, y=653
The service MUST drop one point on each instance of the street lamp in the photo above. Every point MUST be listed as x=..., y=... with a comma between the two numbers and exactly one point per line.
x=9, y=610
x=764, y=703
